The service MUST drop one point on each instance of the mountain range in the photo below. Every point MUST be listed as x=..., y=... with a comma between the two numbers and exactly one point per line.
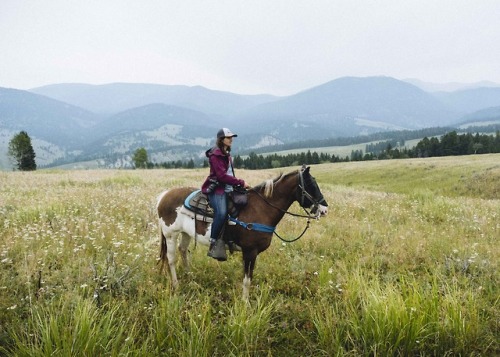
x=106, y=123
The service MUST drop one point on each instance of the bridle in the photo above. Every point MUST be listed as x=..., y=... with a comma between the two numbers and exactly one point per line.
x=301, y=194
x=304, y=194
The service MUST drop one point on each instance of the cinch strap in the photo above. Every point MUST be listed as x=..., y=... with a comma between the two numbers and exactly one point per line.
x=253, y=226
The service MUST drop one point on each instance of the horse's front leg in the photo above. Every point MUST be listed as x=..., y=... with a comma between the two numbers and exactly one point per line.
x=249, y=258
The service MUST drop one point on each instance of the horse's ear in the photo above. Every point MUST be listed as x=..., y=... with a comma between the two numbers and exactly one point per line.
x=305, y=168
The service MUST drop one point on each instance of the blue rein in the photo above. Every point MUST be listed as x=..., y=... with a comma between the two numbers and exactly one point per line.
x=258, y=227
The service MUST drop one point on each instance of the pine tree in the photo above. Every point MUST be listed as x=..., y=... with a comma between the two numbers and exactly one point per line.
x=140, y=158
x=21, y=151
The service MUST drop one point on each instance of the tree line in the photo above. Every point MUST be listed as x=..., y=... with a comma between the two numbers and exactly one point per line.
x=397, y=136
x=450, y=144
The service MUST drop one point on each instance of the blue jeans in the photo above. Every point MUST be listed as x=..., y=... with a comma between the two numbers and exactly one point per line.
x=219, y=204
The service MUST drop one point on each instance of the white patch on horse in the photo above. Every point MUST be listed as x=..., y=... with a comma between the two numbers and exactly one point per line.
x=322, y=210
x=183, y=223
x=246, y=287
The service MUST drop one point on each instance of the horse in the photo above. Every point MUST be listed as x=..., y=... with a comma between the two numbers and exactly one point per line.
x=252, y=229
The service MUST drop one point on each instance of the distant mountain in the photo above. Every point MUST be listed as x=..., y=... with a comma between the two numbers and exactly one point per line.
x=449, y=87
x=482, y=117
x=113, y=98
x=45, y=118
x=347, y=106
x=179, y=122
x=156, y=127
x=153, y=116
x=470, y=100
x=53, y=126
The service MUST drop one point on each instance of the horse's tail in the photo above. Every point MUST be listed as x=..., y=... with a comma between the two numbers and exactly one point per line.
x=163, y=248
x=163, y=240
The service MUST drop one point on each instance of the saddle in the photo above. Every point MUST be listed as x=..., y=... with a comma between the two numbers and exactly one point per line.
x=197, y=203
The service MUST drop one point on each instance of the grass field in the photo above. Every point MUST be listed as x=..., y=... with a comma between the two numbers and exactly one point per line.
x=405, y=264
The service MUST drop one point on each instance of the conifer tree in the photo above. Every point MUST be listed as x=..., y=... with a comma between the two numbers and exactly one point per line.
x=22, y=153
x=140, y=158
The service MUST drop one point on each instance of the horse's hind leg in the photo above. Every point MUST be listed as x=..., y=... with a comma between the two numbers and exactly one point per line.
x=183, y=249
x=168, y=253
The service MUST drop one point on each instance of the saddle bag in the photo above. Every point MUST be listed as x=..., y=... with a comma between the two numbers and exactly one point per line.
x=239, y=195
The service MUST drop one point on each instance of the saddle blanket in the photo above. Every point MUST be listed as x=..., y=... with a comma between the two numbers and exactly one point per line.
x=197, y=202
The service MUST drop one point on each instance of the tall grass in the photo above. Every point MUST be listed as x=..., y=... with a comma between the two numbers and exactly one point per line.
x=398, y=318
x=77, y=328
x=406, y=263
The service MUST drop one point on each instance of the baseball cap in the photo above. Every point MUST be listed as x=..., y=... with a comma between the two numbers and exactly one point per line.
x=225, y=132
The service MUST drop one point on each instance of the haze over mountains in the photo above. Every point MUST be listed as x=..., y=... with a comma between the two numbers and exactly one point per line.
x=79, y=122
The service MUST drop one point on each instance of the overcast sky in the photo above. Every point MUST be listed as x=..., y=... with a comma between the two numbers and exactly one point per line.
x=246, y=46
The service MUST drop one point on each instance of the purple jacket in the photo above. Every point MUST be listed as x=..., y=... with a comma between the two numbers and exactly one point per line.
x=219, y=163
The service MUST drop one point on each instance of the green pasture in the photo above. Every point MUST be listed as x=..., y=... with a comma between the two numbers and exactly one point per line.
x=340, y=151
x=474, y=176
x=405, y=264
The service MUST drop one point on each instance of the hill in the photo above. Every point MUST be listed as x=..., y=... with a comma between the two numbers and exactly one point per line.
x=470, y=100
x=349, y=106
x=44, y=118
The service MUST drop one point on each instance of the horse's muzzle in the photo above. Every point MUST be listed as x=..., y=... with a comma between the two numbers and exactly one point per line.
x=319, y=210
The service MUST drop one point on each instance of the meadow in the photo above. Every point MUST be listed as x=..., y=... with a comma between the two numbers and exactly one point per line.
x=405, y=264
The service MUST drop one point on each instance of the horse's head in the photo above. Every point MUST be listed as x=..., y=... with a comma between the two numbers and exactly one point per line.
x=309, y=194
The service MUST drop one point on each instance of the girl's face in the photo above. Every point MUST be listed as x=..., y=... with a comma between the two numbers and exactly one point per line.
x=228, y=141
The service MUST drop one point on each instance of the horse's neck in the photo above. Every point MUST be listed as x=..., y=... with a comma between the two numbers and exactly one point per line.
x=281, y=199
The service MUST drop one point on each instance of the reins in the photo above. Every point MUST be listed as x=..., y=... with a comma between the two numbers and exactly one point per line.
x=294, y=239
x=308, y=215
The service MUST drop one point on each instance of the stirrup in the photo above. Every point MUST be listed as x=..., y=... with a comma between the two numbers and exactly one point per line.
x=233, y=247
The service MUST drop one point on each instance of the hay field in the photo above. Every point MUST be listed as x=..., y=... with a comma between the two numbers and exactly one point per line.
x=406, y=263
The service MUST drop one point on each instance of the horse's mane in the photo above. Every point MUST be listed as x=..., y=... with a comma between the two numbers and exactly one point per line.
x=268, y=185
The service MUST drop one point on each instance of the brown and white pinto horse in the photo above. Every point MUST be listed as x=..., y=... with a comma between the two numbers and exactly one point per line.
x=252, y=230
